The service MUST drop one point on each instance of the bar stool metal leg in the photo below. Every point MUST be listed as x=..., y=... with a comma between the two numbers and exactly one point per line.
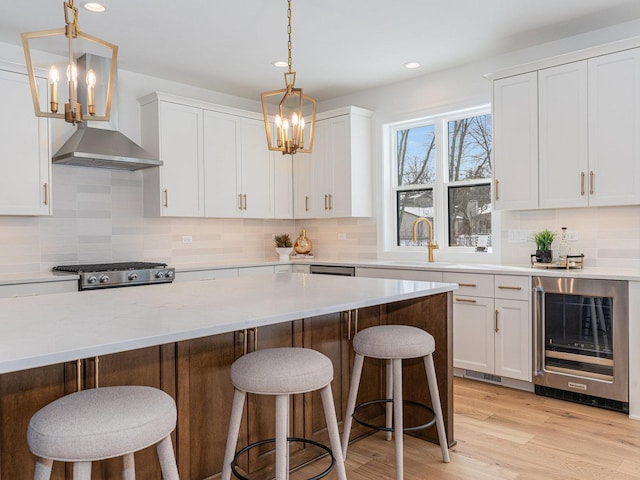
x=234, y=431
x=351, y=402
x=332, y=427
x=437, y=406
x=397, y=416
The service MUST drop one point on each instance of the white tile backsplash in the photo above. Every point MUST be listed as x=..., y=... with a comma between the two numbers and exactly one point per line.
x=607, y=236
x=98, y=217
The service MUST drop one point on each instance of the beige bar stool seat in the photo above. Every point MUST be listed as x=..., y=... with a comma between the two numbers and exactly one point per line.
x=104, y=423
x=282, y=372
x=394, y=343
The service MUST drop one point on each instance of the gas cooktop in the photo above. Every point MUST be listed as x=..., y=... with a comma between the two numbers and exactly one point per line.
x=119, y=274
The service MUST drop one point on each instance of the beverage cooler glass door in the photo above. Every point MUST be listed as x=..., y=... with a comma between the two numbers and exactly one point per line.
x=579, y=334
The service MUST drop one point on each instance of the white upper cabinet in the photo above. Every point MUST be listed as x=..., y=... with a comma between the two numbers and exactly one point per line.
x=515, y=144
x=614, y=128
x=568, y=136
x=25, y=186
x=221, y=139
x=256, y=170
x=335, y=180
x=173, y=132
x=216, y=161
x=238, y=167
x=564, y=159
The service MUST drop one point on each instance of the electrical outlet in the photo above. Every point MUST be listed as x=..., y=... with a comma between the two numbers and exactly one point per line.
x=572, y=236
x=517, y=236
x=342, y=236
x=187, y=239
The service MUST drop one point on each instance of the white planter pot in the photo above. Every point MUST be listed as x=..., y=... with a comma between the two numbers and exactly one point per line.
x=284, y=253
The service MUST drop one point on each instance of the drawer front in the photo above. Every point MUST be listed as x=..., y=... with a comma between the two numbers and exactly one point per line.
x=512, y=287
x=470, y=284
x=421, y=275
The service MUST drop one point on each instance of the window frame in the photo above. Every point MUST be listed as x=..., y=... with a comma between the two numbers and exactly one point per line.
x=388, y=212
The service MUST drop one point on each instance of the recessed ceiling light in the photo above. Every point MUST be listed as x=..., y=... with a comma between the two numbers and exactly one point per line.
x=94, y=7
x=411, y=65
x=280, y=64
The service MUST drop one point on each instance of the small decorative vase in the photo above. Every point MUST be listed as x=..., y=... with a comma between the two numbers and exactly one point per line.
x=302, y=244
x=284, y=253
x=544, y=256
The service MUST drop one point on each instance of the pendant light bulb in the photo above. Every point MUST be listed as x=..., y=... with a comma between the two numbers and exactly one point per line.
x=91, y=83
x=72, y=74
x=54, y=78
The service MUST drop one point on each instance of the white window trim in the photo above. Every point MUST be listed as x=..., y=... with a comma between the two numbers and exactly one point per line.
x=388, y=250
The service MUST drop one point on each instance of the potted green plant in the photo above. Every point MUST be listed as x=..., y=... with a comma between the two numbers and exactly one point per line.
x=543, y=240
x=284, y=246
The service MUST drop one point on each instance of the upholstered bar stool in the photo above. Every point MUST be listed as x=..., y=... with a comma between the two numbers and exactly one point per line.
x=394, y=343
x=282, y=372
x=104, y=423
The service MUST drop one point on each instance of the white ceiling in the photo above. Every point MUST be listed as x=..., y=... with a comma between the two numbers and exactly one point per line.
x=339, y=46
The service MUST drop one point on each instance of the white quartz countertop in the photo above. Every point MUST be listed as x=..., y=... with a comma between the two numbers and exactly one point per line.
x=605, y=273
x=49, y=329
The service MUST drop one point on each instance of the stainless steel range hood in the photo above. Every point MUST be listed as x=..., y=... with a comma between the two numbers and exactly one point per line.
x=97, y=147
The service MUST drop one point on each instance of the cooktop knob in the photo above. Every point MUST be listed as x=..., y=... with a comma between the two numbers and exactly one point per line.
x=104, y=278
x=169, y=274
x=160, y=274
x=133, y=276
x=92, y=279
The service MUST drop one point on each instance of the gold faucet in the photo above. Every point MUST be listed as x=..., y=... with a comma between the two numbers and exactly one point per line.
x=431, y=245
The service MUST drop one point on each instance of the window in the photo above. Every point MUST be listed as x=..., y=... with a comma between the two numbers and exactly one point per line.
x=442, y=171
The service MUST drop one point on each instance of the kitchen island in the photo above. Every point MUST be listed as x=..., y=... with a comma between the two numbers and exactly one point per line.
x=183, y=337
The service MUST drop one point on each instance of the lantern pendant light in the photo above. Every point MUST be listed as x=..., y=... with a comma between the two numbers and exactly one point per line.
x=294, y=115
x=73, y=112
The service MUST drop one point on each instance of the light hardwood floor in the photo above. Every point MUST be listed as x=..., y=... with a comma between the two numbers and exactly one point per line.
x=503, y=433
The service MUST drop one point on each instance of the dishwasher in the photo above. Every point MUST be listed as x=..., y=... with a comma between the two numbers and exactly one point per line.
x=333, y=270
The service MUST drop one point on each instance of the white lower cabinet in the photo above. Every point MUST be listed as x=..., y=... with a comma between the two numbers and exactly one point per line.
x=492, y=324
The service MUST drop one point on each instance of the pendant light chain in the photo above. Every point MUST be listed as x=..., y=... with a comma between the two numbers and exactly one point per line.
x=289, y=33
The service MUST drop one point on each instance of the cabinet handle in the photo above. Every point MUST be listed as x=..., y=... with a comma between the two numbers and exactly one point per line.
x=306, y=203
x=497, y=328
x=581, y=183
x=591, y=185
x=509, y=287
x=330, y=202
x=467, y=300
x=244, y=340
x=46, y=194
x=349, y=325
x=255, y=338
x=355, y=330
x=245, y=200
x=325, y=201
x=166, y=198
x=467, y=285
x=497, y=191
x=79, y=375
x=96, y=371
x=239, y=201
